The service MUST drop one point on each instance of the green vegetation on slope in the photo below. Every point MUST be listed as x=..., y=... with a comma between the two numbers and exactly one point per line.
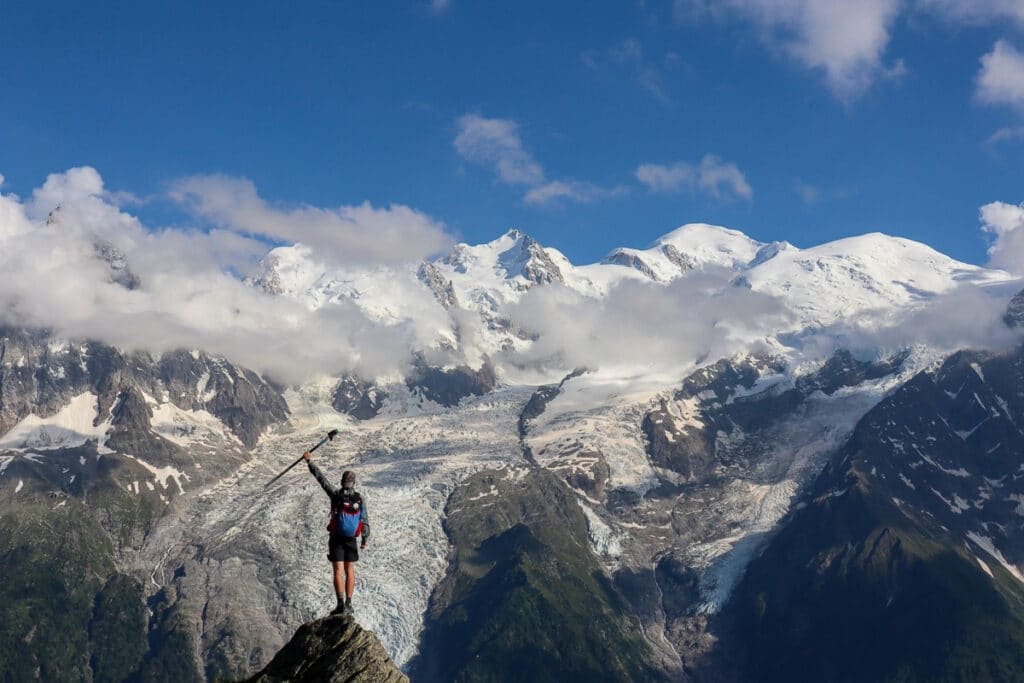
x=854, y=589
x=525, y=596
x=65, y=614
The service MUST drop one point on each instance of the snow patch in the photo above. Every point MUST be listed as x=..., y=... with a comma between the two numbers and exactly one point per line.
x=986, y=544
x=977, y=370
x=602, y=539
x=188, y=427
x=73, y=426
x=161, y=474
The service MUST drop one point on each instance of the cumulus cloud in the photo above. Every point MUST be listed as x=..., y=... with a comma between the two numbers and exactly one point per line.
x=1001, y=79
x=1006, y=223
x=190, y=294
x=846, y=41
x=349, y=235
x=495, y=143
x=712, y=175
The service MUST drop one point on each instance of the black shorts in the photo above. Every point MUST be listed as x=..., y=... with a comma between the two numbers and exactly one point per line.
x=342, y=549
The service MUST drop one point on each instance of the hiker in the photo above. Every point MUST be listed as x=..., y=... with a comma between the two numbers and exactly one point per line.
x=348, y=523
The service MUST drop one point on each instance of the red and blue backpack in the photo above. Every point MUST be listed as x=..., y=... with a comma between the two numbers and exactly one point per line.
x=346, y=516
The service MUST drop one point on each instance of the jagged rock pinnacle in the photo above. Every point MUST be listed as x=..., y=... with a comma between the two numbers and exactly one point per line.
x=332, y=649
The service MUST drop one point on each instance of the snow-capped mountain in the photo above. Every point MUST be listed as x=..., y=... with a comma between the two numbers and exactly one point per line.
x=872, y=280
x=596, y=507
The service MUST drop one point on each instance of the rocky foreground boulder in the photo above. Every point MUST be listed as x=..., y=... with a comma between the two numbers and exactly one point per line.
x=333, y=649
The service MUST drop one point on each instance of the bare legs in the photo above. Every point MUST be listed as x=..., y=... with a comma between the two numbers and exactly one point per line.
x=350, y=579
x=344, y=579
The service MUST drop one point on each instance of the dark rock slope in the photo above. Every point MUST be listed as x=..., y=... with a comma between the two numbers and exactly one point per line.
x=40, y=373
x=334, y=649
x=1015, y=311
x=902, y=563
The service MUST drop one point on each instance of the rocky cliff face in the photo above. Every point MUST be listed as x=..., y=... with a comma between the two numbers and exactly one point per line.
x=97, y=447
x=40, y=374
x=360, y=399
x=448, y=387
x=332, y=650
x=1015, y=311
x=910, y=539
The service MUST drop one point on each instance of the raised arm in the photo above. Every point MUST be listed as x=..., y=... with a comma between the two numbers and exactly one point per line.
x=331, y=490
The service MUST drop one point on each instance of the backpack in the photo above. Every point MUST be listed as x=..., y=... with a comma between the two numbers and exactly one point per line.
x=346, y=516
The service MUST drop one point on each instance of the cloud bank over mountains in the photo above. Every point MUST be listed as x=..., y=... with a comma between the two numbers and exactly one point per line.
x=189, y=294
x=76, y=261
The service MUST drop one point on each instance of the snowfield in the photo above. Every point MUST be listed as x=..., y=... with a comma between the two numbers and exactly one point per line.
x=74, y=425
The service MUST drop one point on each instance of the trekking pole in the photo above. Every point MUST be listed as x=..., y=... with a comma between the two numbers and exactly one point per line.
x=330, y=437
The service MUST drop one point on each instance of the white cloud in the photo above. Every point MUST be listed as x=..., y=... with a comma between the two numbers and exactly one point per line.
x=1006, y=223
x=189, y=297
x=965, y=317
x=844, y=40
x=1007, y=134
x=496, y=143
x=1001, y=79
x=712, y=175
x=976, y=11
x=361, y=235
x=573, y=190
x=644, y=324
x=661, y=178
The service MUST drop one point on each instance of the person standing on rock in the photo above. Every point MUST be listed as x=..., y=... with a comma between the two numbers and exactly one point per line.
x=348, y=524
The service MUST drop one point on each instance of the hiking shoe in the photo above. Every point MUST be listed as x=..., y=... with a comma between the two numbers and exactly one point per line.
x=340, y=609
x=348, y=606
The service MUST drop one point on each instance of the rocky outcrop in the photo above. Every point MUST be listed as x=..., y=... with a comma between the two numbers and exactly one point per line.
x=117, y=263
x=683, y=433
x=528, y=258
x=629, y=259
x=442, y=289
x=1015, y=310
x=40, y=374
x=448, y=387
x=131, y=433
x=362, y=400
x=682, y=261
x=334, y=649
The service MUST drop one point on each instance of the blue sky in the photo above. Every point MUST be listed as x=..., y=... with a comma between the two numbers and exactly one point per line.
x=588, y=125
